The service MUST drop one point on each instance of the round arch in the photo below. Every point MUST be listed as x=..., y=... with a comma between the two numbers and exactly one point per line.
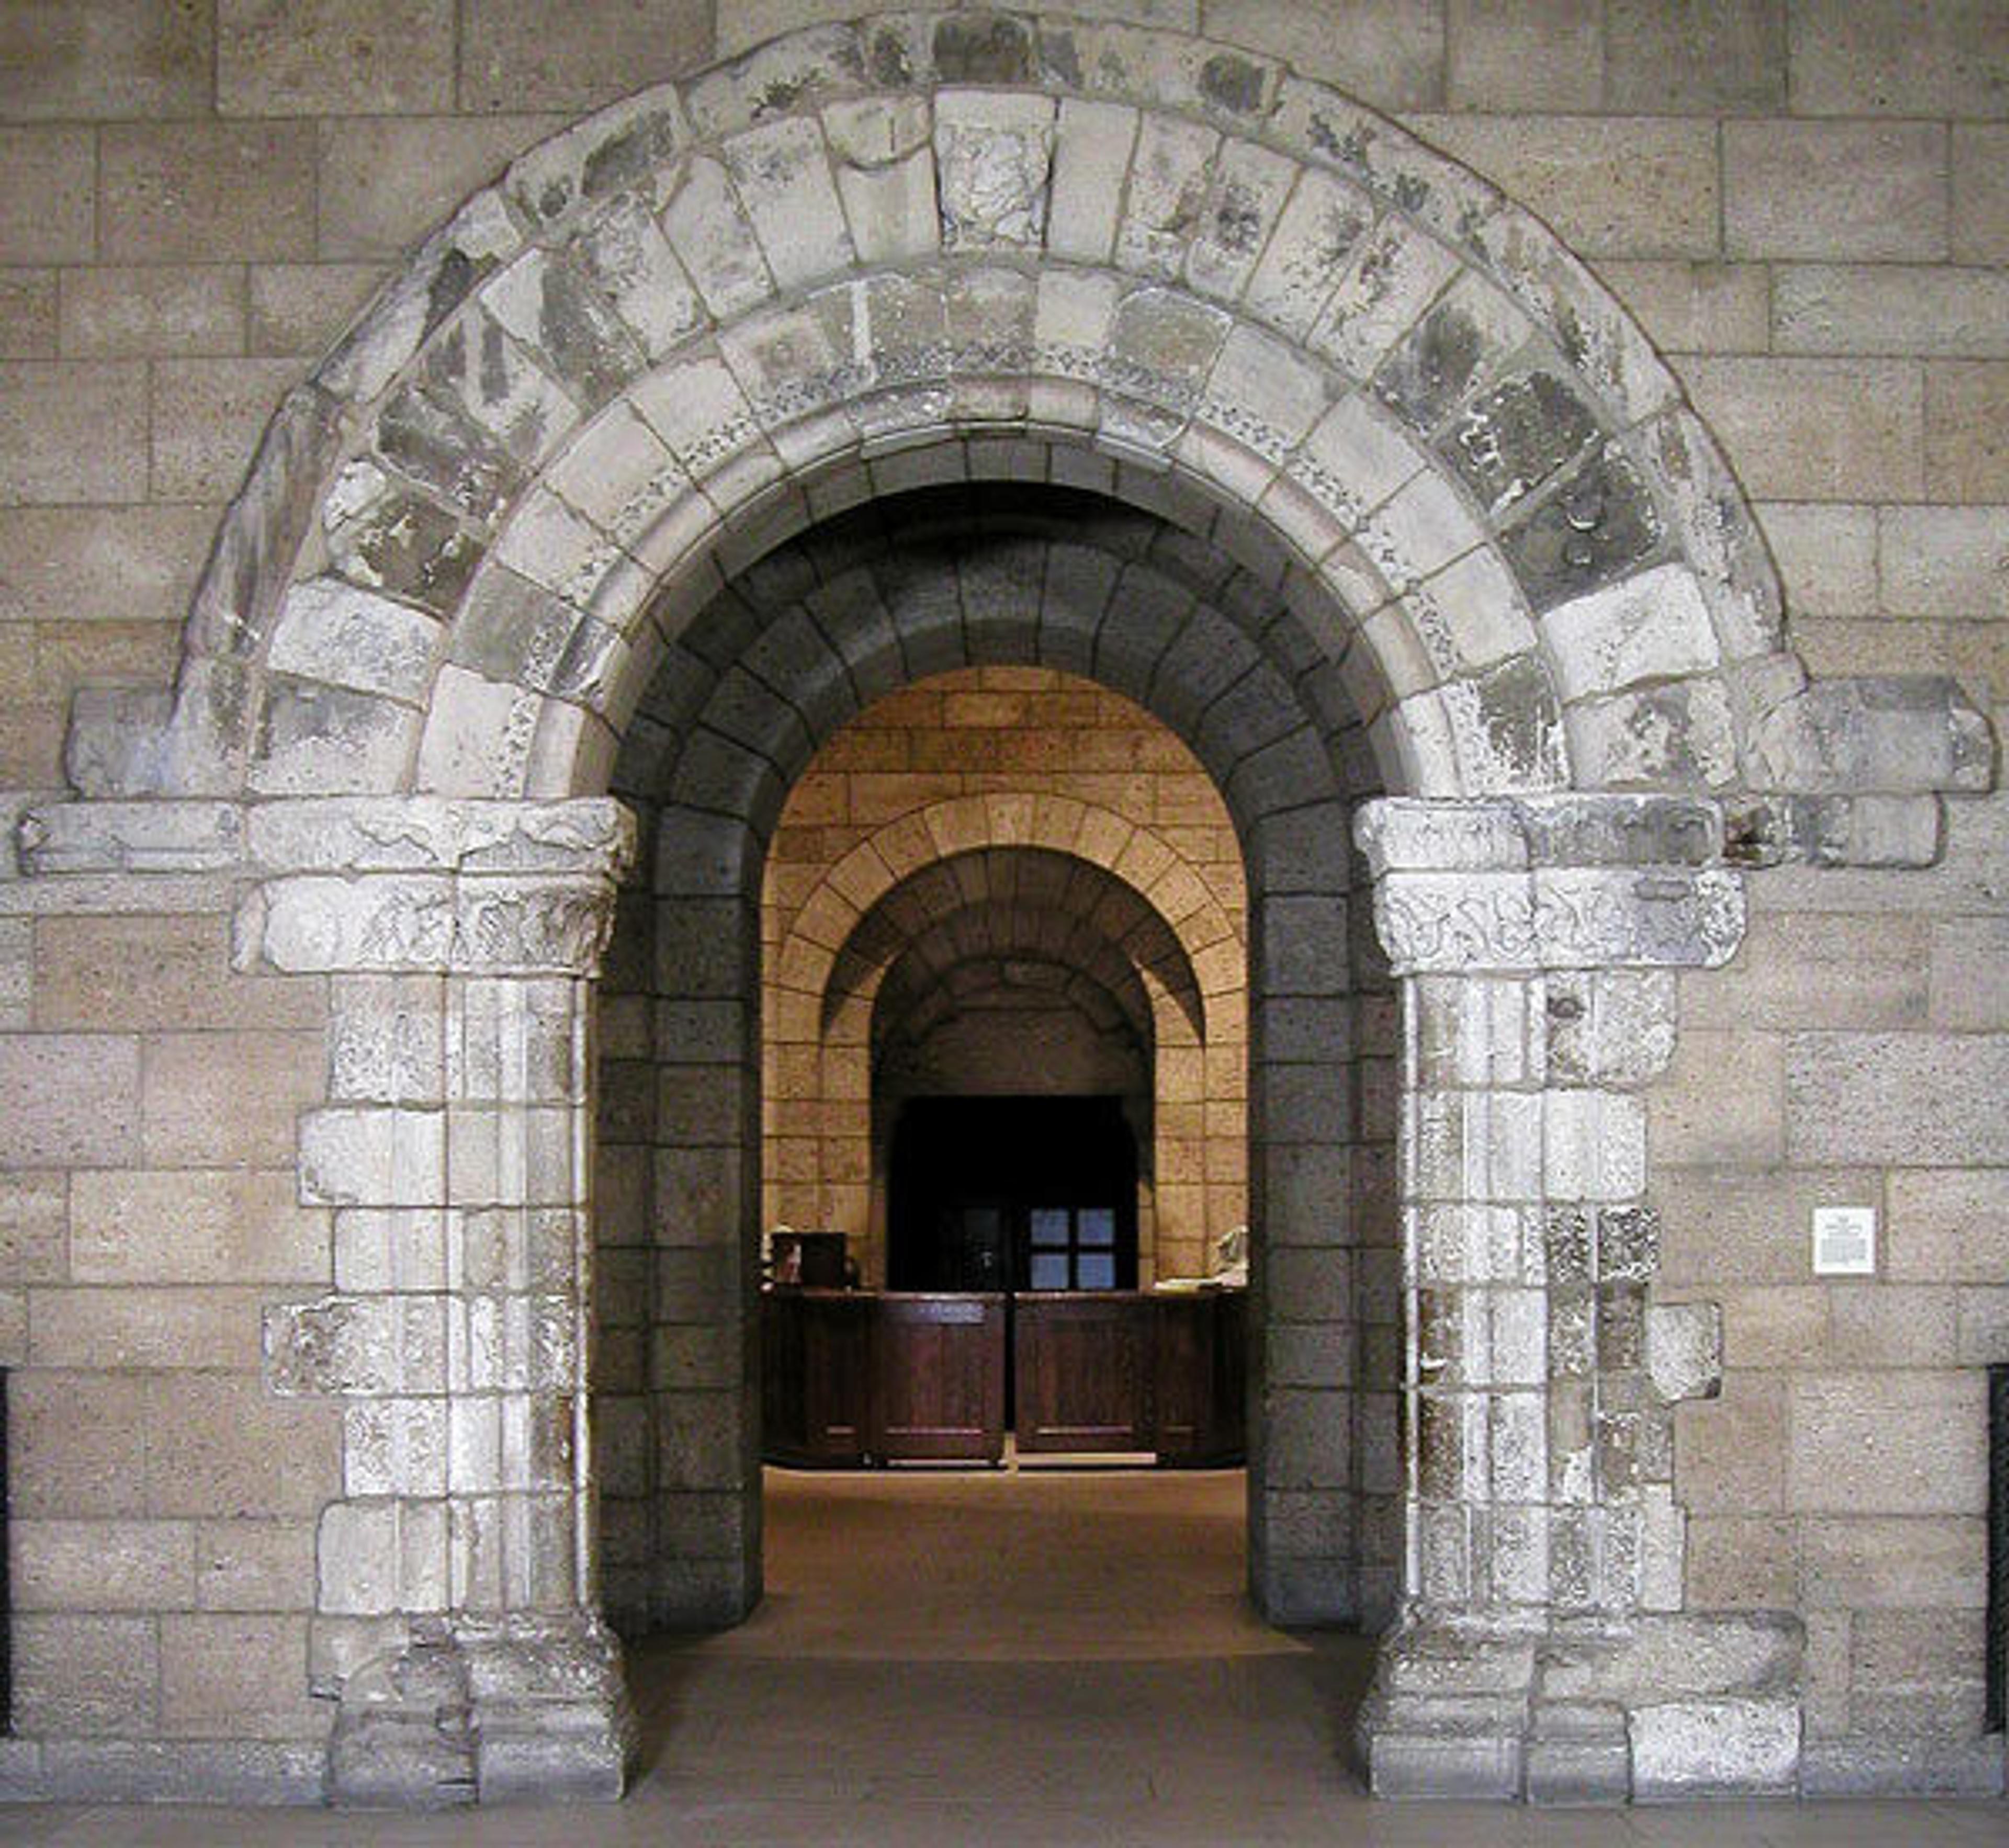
x=1054, y=824
x=915, y=247
x=887, y=255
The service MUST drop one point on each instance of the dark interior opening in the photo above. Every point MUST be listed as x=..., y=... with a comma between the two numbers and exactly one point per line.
x=1012, y=1193
x=6, y=1582
x=1998, y=1549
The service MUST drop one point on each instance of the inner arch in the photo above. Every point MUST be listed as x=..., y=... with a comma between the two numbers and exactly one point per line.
x=1017, y=580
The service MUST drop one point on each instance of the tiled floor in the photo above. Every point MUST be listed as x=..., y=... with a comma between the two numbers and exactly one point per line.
x=1011, y=1658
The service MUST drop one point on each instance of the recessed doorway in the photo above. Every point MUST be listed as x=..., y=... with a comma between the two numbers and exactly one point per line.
x=1012, y=1193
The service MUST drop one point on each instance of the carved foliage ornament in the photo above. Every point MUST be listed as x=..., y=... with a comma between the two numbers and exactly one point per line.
x=466, y=923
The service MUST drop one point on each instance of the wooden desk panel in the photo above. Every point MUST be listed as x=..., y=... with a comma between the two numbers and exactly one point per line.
x=1083, y=1370
x=854, y=1376
x=938, y=1378
x=815, y=1364
x=1201, y=1378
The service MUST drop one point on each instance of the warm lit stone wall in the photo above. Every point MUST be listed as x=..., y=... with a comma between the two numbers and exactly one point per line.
x=1802, y=201
x=1025, y=733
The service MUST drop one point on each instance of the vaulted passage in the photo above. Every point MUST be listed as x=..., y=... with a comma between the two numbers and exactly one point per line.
x=1205, y=953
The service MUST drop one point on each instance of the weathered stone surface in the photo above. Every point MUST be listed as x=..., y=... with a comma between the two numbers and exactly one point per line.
x=1598, y=526
x=1818, y=970
x=1610, y=1029
x=1947, y=1225
x=1561, y=919
x=1815, y=429
x=415, y=922
x=206, y=416
x=1898, y=736
x=85, y=1675
x=33, y=1221
x=628, y=260
x=76, y=1099
x=245, y=1672
x=1900, y=1442
x=314, y=738
x=117, y=743
x=1877, y=57
x=993, y=155
x=1695, y=307
x=548, y=306
x=160, y=1329
x=333, y=632
x=1941, y=561
x=1882, y=1767
x=199, y=192
x=226, y=1098
x=1724, y=57
x=1834, y=191
x=130, y=837
x=1649, y=626
x=1861, y=1562
x=1748, y=1747
x=1905, y=1099
x=219, y=1447
x=709, y=232
x=72, y=433
x=509, y=59
x=364, y=1156
x=1511, y=439
x=1617, y=186
x=319, y=60
x=112, y=59
x=47, y=200
x=1878, y=308
x=101, y=1565
x=202, y=1227
x=430, y=834
x=1980, y=229
x=114, y=313
x=253, y=1565
x=182, y=1771
x=1685, y=1350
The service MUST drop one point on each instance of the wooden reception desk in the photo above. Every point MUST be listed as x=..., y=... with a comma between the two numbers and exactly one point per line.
x=867, y=1376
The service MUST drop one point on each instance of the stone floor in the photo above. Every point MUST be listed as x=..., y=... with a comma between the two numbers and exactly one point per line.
x=1010, y=1658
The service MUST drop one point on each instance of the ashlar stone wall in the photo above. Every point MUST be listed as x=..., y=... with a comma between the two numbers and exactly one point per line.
x=163, y=1502
x=1802, y=202
x=1854, y=1053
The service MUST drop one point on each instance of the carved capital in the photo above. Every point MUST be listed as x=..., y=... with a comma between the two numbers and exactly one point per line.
x=1573, y=882
x=591, y=836
x=447, y=923
x=1402, y=834
x=1563, y=918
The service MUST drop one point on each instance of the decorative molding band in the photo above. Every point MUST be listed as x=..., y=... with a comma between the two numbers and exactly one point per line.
x=449, y=923
x=1564, y=883
x=1571, y=918
x=591, y=837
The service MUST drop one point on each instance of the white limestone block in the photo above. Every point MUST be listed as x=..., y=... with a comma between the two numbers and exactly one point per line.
x=1091, y=164
x=993, y=155
x=714, y=243
x=782, y=171
x=332, y=631
x=1651, y=625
